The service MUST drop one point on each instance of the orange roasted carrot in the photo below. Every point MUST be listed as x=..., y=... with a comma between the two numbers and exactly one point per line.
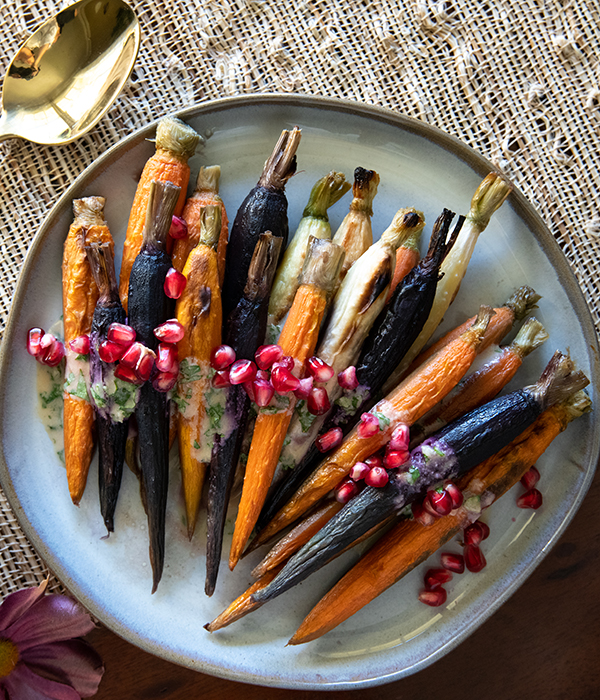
x=406, y=404
x=407, y=256
x=205, y=194
x=298, y=339
x=484, y=384
x=80, y=295
x=199, y=312
x=514, y=309
x=175, y=144
x=409, y=543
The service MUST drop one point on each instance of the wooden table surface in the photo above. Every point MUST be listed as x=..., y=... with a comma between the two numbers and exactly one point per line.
x=543, y=643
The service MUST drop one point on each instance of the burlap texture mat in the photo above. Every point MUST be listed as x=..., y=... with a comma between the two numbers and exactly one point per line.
x=516, y=80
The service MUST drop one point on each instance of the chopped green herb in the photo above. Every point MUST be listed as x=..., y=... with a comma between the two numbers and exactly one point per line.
x=189, y=372
x=304, y=416
x=196, y=445
x=384, y=421
x=47, y=397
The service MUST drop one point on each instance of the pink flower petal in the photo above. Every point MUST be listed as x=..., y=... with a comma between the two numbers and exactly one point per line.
x=16, y=604
x=74, y=662
x=54, y=618
x=24, y=684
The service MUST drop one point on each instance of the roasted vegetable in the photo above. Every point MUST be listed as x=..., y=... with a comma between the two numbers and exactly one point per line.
x=409, y=543
x=264, y=209
x=175, y=143
x=407, y=257
x=452, y=452
x=79, y=294
x=244, y=332
x=149, y=306
x=198, y=310
x=298, y=340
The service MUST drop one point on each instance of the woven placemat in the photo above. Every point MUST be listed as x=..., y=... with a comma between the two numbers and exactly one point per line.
x=516, y=80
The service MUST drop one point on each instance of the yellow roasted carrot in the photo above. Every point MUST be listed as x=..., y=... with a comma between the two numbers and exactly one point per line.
x=199, y=311
x=407, y=256
x=298, y=339
x=80, y=295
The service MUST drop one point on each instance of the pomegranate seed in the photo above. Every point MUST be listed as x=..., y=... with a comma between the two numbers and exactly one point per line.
x=126, y=374
x=420, y=514
x=132, y=355
x=249, y=389
x=319, y=369
x=440, y=501
x=222, y=357
x=263, y=374
x=530, y=478
x=221, y=379
x=164, y=381
x=179, y=227
x=476, y=533
x=55, y=352
x=329, y=440
x=455, y=494
x=400, y=437
x=368, y=426
x=346, y=491
x=34, y=336
x=359, y=471
x=263, y=392
x=374, y=461
x=167, y=358
x=395, y=458
x=434, y=598
x=174, y=284
x=453, y=562
x=347, y=378
x=170, y=331
x=144, y=366
x=80, y=345
x=474, y=559
x=242, y=371
x=121, y=334
x=428, y=507
x=377, y=477
x=283, y=380
x=530, y=499
x=287, y=362
x=108, y=351
x=303, y=390
x=318, y=401
x=266, y=355
x=434, y=578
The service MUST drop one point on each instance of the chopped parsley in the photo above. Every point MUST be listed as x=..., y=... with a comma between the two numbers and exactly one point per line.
x=305, y=417
x=47, y=397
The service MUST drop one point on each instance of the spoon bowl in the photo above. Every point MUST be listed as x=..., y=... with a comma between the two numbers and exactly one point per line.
x=69, y=72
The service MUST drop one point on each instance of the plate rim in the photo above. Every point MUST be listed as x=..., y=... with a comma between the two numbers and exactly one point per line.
x=524, y=209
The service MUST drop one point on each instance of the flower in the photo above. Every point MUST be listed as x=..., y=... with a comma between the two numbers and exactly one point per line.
x=40, y=657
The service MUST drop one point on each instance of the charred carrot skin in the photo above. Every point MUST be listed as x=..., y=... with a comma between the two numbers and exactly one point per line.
x=453, y=451
x=175, y=144
x=80, y=295
x=149, y=307
x=406, y=404
x=298, y=339
x=409, y=543
x=205, y=194
x=264, y=209
x=244, y=332
x=199, y=311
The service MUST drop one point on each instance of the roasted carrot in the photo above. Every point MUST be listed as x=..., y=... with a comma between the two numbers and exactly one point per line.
x=406, y=404
x=483, y=385
x=298, y=339
x=205, y=194
x=409, y=543
x=198, y=310
x=175, y=143
x=407, y=256
x=516, y=307
x=80, y=294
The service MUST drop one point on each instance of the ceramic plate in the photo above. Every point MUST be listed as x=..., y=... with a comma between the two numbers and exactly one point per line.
x=395, y=635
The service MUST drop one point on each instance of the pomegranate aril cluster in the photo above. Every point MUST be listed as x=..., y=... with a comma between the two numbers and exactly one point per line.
x=532, y=498
x=44, y=347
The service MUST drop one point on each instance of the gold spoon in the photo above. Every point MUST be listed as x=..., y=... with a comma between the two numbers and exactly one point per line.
x=69, y=72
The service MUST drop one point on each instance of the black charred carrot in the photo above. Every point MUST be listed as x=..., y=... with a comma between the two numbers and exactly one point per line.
x=264, y=209
x=149, y=306
x=244, y=332
x=452, y=452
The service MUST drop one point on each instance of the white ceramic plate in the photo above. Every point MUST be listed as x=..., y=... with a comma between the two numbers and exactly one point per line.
x=395, y=635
